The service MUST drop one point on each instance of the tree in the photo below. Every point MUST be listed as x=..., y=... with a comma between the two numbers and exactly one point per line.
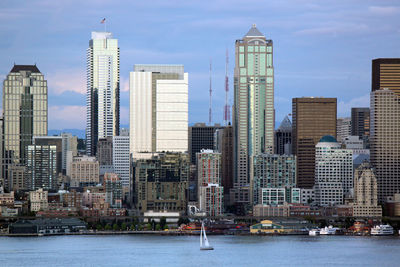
x=123, y=226
x=108, y=227
x=115, y=227
x=99, y=227
x=163, y=223
x=158, y=227
x=183, y=221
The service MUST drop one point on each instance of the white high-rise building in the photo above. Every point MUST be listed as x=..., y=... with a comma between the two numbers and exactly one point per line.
x=333, y=172
x=120, y=157
x=102, y=89
x=158, y=109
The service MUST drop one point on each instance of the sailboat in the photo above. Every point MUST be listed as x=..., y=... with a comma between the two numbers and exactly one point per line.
x=204, y=245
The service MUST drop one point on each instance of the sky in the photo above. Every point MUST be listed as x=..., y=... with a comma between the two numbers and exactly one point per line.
x=321, y=48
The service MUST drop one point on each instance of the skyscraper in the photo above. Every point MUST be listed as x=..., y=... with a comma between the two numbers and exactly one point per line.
x=201, y=136
x=253, y=116
x=360, y=124
x=24, y=114
x=343, y=128
x=41, y=167
x=158, y=109
x=313, y=118
x=102, y=100
x=283, y=138
x=385, y=125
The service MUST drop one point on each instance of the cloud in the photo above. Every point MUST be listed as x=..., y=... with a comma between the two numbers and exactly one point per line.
x=63, y=117
x=334, y=30
x=344, y=108
x=383, y=10
x=67, y=80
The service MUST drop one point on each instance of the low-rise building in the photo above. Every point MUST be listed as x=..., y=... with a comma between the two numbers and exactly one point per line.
x=7, y=199
x=38, y=200
x=47, y=226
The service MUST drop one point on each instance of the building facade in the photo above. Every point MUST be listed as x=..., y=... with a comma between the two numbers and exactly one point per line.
x=159, y=109
x=211, y=199
x=343, y=128
x=366, y=192
x=161, y=182
x=283, y=138
x=41, y=167
x=24, y=114
x=38, y=200
x=85, y=171
x=103, y=86
x=113, y=188
x=360, y=124
x=385, y=125
x=333, y=172
x=201, y=136
x=120, y=156
x=313, y=118
x=253, y=113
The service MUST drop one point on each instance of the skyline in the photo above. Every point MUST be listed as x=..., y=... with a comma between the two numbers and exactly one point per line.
x=318, y=50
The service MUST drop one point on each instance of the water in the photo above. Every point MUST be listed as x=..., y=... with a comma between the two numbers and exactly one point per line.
x=146, y=250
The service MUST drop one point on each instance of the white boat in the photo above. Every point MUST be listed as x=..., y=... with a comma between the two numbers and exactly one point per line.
x=328, y=230
x=383, y=229
x=204, y=244
x=313, y=232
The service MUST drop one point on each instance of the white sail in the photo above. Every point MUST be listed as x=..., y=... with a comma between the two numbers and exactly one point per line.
x=204, y=244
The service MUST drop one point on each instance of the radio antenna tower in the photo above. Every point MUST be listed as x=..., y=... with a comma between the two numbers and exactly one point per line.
x=227, y=111
x=210, y=107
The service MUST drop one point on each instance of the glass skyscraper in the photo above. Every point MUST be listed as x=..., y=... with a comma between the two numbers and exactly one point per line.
x=253, y=107
x=102, y=89
x=24, y=114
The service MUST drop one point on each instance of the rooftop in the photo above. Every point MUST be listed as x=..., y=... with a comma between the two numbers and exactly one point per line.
x=328, y=139
x=31, y=68
x=254, y=32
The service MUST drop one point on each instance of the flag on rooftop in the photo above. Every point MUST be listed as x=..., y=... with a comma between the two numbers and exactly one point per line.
x=103, y=21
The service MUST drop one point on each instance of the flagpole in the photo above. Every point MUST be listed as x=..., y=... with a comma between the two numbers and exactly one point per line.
x=105, y=25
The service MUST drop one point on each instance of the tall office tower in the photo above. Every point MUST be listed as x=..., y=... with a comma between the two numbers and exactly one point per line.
x=385, y=125
x=159, y=109
x=283, y=138
x=253, y=117
x=210, y=191
x=224, y=144
x=161, y=182
x=273, y=171
x=52, y=141
x=41, y=167
x=313, y=118
x=333, y=172
x=69, y=145
x=366, y=192
x=201, y=136
x=24, y=114
x=360, y=124
x=120, y=157
x=343, y=128
x=102, y=100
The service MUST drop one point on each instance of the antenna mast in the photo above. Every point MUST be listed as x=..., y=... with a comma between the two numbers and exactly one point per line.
x=210, y=107
x=227, y=111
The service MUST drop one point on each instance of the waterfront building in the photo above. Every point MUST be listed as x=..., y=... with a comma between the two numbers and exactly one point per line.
x=120, y=157
x=84, y=171
x=313, y=118
x=360, y=124
x=210, y=191
x=38, y=200
x=159, y=109
x=24, y=115
x=211, y=199
x=103, y=89
x=201, y=136
x=113, y=188
x=366, y=192
x=161, y=182
x=385, y=125
x=41, y=167
x=283, y=138
x=343, y=128
x=273, y=171
x=253, y=112
x=333, y=172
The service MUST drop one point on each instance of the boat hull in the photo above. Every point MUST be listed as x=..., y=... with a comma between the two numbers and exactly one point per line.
x=207, y=248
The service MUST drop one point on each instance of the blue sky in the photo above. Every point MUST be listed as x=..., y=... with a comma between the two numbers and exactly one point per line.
x=321, y=48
